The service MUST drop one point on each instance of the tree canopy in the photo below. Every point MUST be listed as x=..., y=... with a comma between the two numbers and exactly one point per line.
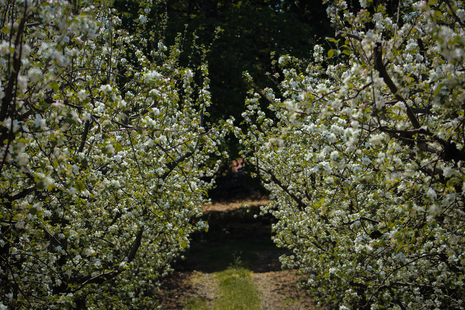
x=103, y=148
x=364, y=157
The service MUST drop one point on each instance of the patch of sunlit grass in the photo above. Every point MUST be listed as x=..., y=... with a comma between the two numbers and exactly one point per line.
x=236, y=288
x=196, y=303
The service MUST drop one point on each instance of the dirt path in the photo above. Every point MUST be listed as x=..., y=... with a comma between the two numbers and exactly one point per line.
x=235, y=234
x=184, y=286
x=278, y=290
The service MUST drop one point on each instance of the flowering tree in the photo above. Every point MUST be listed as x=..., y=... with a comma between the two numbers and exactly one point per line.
x=102, y=150
x=364, y=157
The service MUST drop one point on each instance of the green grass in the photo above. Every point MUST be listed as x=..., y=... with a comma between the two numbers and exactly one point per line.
x=196, y=304
x=237, y=291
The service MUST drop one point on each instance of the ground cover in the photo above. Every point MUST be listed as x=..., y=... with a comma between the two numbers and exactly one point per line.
x=234, y=265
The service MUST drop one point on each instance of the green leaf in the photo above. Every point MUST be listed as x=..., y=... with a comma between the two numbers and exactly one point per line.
x=80, y=185
x=453, y=181
x=331, y=53
x=347, y=52
x=84, y=163
x=438, y=14
x=118, y=146
x=54, y=85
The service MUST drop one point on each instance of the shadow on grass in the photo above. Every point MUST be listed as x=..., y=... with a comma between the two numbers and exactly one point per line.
x=240, y=233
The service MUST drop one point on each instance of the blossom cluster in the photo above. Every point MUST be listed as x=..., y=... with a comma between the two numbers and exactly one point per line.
x=364, y=158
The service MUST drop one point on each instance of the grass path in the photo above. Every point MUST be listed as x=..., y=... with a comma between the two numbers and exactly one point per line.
x=236, y=288
x=234, y=266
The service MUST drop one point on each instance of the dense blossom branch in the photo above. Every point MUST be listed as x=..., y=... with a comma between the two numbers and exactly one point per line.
x=379, y=66
x=101, y=158
x=378, y=155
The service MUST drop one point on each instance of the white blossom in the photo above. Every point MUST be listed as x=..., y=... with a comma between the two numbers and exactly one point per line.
x=431, y=194
x=143, y=19
x=82, y=94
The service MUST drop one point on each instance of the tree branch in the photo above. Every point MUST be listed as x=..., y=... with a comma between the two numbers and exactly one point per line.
x=84, y=136
x=136, y=245
x=22, y=194
x=6, y=101
x=379, y=66
x=299, y=201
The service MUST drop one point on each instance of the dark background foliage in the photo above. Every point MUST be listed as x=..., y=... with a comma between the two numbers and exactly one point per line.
x=251, y=31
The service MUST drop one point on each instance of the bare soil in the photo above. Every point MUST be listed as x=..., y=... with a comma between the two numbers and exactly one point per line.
x=236, y=204
x=279, y=291
x=182, y=286
x=235, y=233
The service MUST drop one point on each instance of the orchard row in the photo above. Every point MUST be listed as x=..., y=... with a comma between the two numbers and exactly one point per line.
x=105, y=150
